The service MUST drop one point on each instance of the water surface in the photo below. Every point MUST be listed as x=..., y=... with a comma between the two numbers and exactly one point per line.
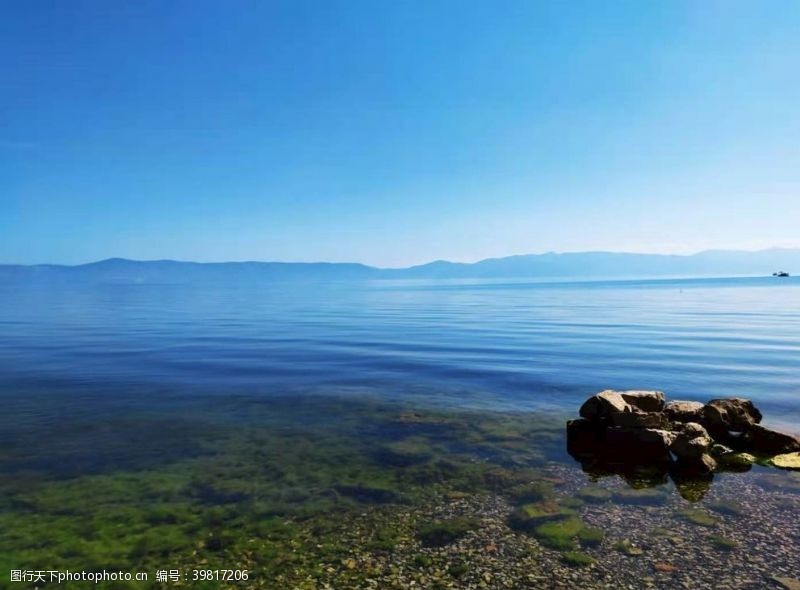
x=501, y=345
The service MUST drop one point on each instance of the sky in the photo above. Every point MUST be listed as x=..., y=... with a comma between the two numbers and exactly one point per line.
x=394, y=133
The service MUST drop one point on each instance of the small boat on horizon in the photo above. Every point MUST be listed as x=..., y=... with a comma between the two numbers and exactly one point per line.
x=780, y=273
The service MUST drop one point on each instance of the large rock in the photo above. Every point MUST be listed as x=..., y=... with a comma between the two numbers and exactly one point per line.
x=684, y=411
x=584, y=438
x=760, y=439
x=691, y=441
x=644, y=401
x=720, y=416
x=704, y=464
x=638, y=420
x=605, y=403
x=627, y=432
x=639, y=443
x=588, y=439
x=599, y=406
x=691, y=445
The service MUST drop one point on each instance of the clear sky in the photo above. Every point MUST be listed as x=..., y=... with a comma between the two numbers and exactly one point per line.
x=395, y=132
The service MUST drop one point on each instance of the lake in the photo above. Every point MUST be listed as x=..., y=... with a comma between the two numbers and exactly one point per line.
x=228, y=425
x=487, y=344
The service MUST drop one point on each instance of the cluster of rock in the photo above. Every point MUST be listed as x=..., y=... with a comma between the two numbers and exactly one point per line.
x=642, y=426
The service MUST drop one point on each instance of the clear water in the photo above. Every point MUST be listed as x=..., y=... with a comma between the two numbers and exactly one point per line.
x=226, y=427
x=510, y=345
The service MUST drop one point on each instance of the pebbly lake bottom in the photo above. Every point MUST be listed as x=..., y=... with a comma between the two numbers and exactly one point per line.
x=331, y=491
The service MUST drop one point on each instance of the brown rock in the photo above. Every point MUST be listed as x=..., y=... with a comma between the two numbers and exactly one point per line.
x=645, y=401
x=638, y=420
x=760, y=439
x=720, y=416
x=599, y=406
x=691, y=441
x=684, y=411
x=703, y=464
x=638, y=443
x=584, y=437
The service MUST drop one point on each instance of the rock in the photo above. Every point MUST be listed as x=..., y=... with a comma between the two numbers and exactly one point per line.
x=787, y=461
x=637, y=435
x=718, y=450
x=690, y=446
x=760, y=439
x=720, y=416
x=691, y=441
x=736, y=461
x=787, y=583
x=584, y=438
x=684, y=411
x=705, y=463
x=634, y=446
x=638, y=420
x=640, y=438
x=644, y=401
x=599, y=406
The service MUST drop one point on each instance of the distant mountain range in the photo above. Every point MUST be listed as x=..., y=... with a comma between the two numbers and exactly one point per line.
x=577, y=265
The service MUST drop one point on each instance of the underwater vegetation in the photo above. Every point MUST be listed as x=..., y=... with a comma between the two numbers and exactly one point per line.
x=297, y=490
x=235, y=484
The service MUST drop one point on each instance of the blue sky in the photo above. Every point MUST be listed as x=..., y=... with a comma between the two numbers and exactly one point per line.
x=395, y=132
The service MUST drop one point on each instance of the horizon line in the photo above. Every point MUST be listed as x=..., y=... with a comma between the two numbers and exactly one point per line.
x=438, y=260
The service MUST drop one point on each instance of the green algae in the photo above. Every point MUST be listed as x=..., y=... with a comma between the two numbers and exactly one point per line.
x=590, y=536
x=736, y=461
x=577, y=558
x=698, y=517
x=444, y=532
x=644, y=496
x=559, y=534
x=728, y=507
x=594, y=494
x=270, y=485
x=531, y=492
x=528, y=516
x=723, y=543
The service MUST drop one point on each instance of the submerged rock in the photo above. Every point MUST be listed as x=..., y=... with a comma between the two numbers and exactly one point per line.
x=788, y=583
x=736, y=461
x=787, y=461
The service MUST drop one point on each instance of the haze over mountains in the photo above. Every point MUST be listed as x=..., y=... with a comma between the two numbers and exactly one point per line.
x=577, y=265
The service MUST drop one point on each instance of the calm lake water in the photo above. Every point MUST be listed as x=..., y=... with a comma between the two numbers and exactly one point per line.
x=333, y=435
x=503, y=345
